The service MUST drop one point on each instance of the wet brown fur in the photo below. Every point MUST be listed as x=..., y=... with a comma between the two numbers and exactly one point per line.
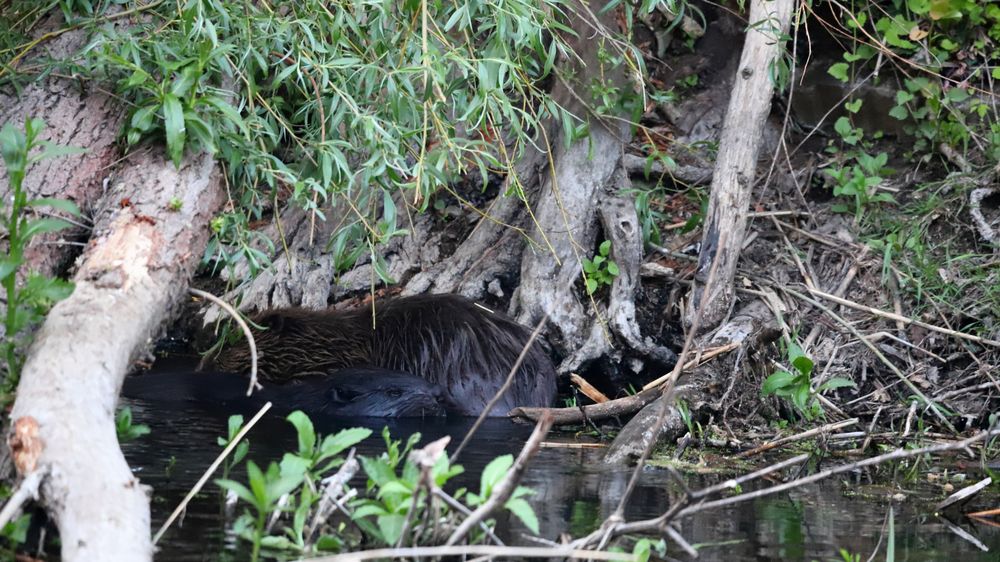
x=445, y=339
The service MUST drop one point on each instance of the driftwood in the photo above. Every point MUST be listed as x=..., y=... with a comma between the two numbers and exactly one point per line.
x=732, y=181
x=752, y=328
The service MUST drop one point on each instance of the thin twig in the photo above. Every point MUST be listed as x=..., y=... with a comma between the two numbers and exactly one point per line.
x=507, y=552
x=881, y=357
x=666, y=390
x=904, y=319
x=246, y=332
x=798, y=437
x=890, y=456
x=208, y=473
x=26, y=490
x=701, y=358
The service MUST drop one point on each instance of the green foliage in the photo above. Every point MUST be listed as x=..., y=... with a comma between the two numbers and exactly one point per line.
x=394, y=494
x=315, y=102
x=125, y=429
x=601, y=270
x=859, y=181
x=13, y=535
x=235, y=422
x=937, y=104
x=796, y=385
x=644, y=548
x=27, y=302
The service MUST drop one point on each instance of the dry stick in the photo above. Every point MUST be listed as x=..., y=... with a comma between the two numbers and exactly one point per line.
x=733, y=483
x=593, y=412
x=461, y=508
x=879, y=335
x=208, y=473
x=506, y=385
x=26, y=490
x=958, y=391
x=660, y=521
x=507, y=552
x=503, y=489
x=890, y=456
x=651, y=525
x=871, y=429
x=702, y=358
x=904, y=319
x=588, y=389
x=246, y=332
x=797, y=437
x=881, y=357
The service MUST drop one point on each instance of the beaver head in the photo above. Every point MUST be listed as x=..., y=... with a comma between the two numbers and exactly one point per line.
x=380, y=393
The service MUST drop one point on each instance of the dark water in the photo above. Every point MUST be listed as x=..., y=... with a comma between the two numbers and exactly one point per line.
x=574, y=493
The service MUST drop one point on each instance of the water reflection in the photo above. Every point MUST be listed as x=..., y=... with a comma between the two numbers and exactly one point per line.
x=574, y=493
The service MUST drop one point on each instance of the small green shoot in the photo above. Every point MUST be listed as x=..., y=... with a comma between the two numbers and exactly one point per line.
x=796, y=385
x=126, y=430
x=600, y=271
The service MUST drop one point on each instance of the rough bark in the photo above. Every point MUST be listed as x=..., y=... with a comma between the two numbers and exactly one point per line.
x=578, y=192
x=749, y=105
x=134, y=270
x=75, y=116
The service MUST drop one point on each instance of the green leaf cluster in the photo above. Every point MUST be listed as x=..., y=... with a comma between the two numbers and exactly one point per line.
x=29, y=300
x=937, y=104
x=600, y=271
x=125, y=429
x=796, y=385
x=368, y=104
x=393, y=494
x=291, y=486
x=859, y=181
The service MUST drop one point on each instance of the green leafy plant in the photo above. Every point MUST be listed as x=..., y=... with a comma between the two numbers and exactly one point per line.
x=398, y=491
x=796, y=385
x=600, y=271
x=27, y=302
x=859, y=181
x=125, y=429
x=235, y=423
x=317, y=102
x=289, y=486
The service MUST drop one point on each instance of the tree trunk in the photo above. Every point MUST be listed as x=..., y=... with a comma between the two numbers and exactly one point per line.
x=132, y=274
x=732, y=181
x=74, y=117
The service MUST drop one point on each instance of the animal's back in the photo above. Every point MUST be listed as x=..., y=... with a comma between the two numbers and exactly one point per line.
x=468, y=350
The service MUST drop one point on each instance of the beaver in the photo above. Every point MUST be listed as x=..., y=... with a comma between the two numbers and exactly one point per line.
x=446, y=339
x=355, y=392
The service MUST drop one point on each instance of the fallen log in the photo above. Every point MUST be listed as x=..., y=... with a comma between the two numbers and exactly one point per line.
x=133, y=272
